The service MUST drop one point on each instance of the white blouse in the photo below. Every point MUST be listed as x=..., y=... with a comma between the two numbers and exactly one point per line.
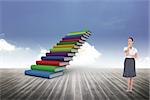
x=132, y=52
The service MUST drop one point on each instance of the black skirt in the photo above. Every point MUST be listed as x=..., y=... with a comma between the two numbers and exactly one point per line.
x=129, y=68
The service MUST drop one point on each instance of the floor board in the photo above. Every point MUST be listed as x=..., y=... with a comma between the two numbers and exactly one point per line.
x=75, y=84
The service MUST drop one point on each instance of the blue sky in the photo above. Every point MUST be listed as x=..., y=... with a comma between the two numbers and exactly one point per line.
x=42, y=23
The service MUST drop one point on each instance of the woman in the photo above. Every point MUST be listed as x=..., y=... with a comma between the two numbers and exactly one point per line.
x=129, y=63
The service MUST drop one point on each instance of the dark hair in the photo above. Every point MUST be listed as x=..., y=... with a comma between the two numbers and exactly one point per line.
x=130, y=38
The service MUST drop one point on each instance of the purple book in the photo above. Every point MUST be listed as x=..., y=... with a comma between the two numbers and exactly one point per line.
x=79, y=37
x=60, y=54
x=68, y=37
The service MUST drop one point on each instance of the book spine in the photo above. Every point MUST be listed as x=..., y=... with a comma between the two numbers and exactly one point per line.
x=60, y=49
x=52, y=58
x=65, y=46
x=71, y=33
x=78, y=33
x=44, y=68
x=65, y=54
x=53, y=63
x=74, y=35
x=70, y=40
x=57, y=54
x=37, y=73
x=81, y=32
x=62, y=43
x=63, y=49
x=68, y=37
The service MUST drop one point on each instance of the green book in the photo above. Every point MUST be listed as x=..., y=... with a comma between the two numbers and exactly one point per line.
x=62, y=43
x=47, y=68
x=63, y=50
x=76, y=33
x=80, y=32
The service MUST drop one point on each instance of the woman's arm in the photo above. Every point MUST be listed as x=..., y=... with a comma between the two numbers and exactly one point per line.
x=136, y=56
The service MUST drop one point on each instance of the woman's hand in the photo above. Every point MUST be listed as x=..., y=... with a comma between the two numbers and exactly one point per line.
x=127, y=50
x=135, y=56
x=129, y=46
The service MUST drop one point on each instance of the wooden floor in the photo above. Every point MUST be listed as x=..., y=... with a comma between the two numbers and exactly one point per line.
x=76, y=84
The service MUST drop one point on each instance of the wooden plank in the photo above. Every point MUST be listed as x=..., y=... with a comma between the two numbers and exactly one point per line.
x=76, y=84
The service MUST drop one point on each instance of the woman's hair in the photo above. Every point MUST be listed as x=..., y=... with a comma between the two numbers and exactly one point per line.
x=130, y=38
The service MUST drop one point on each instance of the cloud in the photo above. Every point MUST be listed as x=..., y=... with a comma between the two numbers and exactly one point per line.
x=15, y=57
x=12, y=56
x=143, y=62
x=5, y=46
x=87, y=56
x=43, y=51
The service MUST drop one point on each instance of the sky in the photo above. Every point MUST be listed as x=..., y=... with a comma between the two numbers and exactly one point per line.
x=30, y=27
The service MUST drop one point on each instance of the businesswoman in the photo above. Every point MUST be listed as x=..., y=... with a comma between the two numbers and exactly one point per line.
x=129, y=72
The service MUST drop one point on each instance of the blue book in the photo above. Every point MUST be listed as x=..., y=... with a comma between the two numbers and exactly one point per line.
x=65, y=54
x=61, y=58
x=43, y=74
x=78, y=35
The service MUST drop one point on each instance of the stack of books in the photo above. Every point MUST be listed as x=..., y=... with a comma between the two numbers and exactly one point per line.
x=54, y=62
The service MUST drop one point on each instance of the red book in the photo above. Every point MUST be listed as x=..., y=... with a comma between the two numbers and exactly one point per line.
x=71, y=39
x=53, y=63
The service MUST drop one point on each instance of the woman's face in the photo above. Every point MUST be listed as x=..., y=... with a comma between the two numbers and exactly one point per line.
x=130, y=42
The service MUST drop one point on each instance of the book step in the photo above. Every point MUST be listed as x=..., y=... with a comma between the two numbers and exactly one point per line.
x=52, y=62
x=48, y=68
x=75, y=37
x=67, y=46
x=43, y=74
x=63, y=50
x=73, y=40
x=64, y=43
x=60, y=58
x=80, y=32
x=60, y=54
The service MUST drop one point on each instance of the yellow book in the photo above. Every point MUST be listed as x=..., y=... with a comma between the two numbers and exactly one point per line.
x=77, y=33
x=66, y=46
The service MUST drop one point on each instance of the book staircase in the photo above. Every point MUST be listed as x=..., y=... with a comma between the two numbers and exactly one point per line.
x=55, y=61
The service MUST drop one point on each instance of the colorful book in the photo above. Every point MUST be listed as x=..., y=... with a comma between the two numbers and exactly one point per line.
x=60, y=58
x=72, y=33
x=84, y=35
x=48, y=68
x=53, y=63
x=71, y=40
x=60, y=54
x=64, y=43
x=68, y=42
x=43, y=74
x=67, y=46
x=63, y=50
x=78, y=37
